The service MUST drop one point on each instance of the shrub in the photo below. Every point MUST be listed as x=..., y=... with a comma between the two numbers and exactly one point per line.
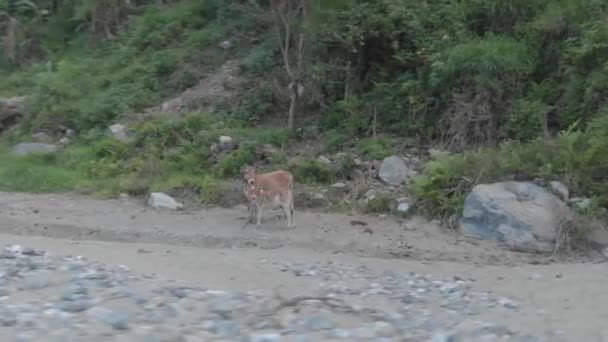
x=374, y=148
x=578, y=158
x=382, y=203
x=230, y=165
x=309, y=171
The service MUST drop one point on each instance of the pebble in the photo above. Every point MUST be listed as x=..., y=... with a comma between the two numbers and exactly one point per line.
x=75, y=306
x=267, y=337
x=36, y=282
x=116, y=319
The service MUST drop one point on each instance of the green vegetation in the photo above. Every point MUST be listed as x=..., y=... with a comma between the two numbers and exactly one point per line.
x=514, y=89
x=578, y=158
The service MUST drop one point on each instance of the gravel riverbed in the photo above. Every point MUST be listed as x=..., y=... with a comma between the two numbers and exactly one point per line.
x=69, y=298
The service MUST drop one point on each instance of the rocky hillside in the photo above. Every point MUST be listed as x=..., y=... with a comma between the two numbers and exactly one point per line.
x=357, y=99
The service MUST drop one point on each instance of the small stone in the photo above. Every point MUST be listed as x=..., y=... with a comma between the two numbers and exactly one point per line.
x=225, y=329
x=266, y=337
x=365, y=332
x=507, y=303
x=444, y=338
x=69, y=132
x=384, y=329
x=75, y=306
x=159, y=200
x=64, y=141
x=221, y=306
x=31, y=252
x=338, y=185
x=317, y=322
x=74, y=290
x=403, y=207
x=226, y=44
x=492, y=329
x=36, y=282
x=226, y=142
x=560, y=190
x=119, y=132
x=7, y=318
x=94, y=275
x=339, y=333
x=116, y=319
x=302, y=338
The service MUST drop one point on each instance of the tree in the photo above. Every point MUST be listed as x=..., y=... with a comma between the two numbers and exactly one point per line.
x=289, y=19
x=10, y=24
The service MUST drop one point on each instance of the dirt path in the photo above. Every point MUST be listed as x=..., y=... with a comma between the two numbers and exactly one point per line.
x=210, y=247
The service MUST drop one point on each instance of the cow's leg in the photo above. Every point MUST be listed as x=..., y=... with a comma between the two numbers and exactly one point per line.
x=260, y=212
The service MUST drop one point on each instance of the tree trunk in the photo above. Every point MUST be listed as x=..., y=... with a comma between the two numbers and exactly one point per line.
x=10, y=40
x=293, y=106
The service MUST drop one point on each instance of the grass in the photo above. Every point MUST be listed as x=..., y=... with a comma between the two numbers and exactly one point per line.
x=40, y=173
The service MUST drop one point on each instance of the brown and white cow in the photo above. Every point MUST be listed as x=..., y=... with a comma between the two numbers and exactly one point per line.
x=271, y=189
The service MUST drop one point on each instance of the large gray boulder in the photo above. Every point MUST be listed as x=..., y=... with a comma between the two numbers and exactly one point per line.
x=521, y=215
x=30, y=148
x=393, y=170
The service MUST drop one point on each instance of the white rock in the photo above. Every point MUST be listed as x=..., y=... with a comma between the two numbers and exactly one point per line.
x=69, y=132
x=370, y=195
x=403, y=207
x=324, y=160
x=28, y=148
x=64, y=141
x=224, y=139
x=159, y=200
x=560, y=190
x=226, y=142
x=318, y=196
x=338, y=185
x=393, y=171
x=226, y=44
x=119, y=131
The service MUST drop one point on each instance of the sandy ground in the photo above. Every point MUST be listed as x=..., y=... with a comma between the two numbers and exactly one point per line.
x=211, y=248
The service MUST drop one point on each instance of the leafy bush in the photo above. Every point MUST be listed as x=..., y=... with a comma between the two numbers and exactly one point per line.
x=230, y=165
x=309, y=171
x=374, y=148
x=579, y=159
x=380, y=204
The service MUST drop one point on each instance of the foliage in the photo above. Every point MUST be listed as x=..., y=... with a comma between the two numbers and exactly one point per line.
x=469, y=74
x=374, y=148
x=380, y=204
x=579, y=159
x=309, y=171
